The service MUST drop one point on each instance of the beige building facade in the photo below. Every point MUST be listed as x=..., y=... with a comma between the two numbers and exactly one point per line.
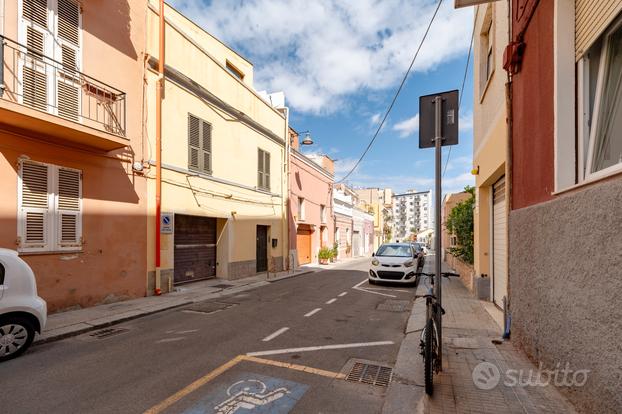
x=223, y=154
x=376, y=201
x=490, y=136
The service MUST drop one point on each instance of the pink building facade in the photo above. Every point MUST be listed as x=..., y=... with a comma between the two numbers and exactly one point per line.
x=310, y=212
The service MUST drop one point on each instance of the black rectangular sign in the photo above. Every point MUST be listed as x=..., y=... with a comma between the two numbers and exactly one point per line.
x=449, y=119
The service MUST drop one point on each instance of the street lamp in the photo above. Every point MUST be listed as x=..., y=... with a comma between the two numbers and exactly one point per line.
x=307, y=138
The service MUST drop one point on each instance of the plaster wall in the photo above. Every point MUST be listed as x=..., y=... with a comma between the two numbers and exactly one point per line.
x=565, y=289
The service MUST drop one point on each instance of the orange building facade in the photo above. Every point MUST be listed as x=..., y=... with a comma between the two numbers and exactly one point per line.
x=72, y=152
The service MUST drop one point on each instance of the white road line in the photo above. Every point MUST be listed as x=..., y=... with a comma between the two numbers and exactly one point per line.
x=375, y=293
x=343, y=294
x=275, y=334
x=359, y=284
x=388, y=290
x=188, y=331
x=319, y=348
x=313, y=312
x=331, y=301
x=162, y=341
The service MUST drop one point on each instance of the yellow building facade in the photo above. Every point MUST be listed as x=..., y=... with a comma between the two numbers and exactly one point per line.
x=490, y=136
x=223, y=154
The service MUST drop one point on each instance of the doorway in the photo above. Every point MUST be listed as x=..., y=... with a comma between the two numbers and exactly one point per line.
x=262, y=249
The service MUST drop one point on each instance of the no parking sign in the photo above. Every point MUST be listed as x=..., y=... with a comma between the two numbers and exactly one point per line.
x=167, y=223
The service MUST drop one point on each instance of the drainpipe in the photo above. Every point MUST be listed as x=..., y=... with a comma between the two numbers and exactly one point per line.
x=285, y=196
x=1, y=48
x=158, y=149
x=509, y=96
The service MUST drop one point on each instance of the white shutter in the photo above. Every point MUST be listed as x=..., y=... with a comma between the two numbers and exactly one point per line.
x=194, y=142
x=35, y=11
x=68, y=209
x=68, y=98
x=206, y=146
x=260, y=163
x=69, y=21
x=34, y=206
x=266, y=175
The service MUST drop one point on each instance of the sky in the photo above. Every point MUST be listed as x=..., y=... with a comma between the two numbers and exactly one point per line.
x=340, y=63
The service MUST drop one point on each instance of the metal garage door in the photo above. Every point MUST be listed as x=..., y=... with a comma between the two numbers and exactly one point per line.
x=195, y=248
x=303, y=245
x=499, y=243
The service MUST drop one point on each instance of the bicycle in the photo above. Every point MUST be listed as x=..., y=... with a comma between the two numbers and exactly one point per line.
x=429, y=335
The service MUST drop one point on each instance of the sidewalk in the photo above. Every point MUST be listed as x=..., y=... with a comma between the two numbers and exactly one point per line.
x=468, y=355
x=75, y=322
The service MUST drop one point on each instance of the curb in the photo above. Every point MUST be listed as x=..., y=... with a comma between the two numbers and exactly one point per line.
x=291, y=276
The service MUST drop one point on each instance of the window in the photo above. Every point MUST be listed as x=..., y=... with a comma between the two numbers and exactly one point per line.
x=301, y=208
x=263, y=169
x=199, y=145
x=600, y=151
x=487, y=64
x=234, y=71
x=323, y=213
x=51, y=28
x=50, y=208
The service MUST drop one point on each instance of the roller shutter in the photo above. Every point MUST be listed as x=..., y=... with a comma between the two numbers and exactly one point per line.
x=499, y=243
x=195, y=248
x=591, y=18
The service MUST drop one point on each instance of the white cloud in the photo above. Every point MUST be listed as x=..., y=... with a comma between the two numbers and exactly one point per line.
x=462, y=164
x=321, y=52
x=375, y=119
x=466, y=121
x=343, y=166
x=408, y=126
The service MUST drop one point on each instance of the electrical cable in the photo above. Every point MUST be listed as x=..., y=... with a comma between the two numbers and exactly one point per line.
x=466, y=70
x=425, y=35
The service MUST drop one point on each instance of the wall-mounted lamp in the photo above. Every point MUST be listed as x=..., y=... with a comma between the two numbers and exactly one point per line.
x=475, y=171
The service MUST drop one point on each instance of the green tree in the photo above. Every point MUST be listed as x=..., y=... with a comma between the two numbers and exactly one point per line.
x=460, y=223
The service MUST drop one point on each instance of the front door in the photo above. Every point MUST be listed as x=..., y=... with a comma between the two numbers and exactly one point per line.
x=303, y=245
x=262, y=248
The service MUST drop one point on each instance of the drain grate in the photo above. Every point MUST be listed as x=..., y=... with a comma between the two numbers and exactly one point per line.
x=107, y=333
x=370, y=374
x=392, y=305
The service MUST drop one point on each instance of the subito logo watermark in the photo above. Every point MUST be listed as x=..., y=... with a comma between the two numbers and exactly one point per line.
x=487, y=376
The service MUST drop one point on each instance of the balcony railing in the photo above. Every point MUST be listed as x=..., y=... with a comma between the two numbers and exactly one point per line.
x=30, y=78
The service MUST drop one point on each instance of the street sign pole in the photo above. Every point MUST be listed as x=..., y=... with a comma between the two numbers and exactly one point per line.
x=438, y=141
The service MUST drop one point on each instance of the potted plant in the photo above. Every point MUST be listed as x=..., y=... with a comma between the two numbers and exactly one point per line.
x=335, y=252
x=324, y=255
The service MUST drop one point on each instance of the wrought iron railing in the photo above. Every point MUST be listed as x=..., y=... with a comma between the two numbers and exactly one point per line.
x=30, y=78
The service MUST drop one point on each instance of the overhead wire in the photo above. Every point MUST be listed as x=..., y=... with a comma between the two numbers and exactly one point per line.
x=397, y=93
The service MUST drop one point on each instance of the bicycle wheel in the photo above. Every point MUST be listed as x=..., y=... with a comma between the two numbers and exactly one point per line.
x=428, y=357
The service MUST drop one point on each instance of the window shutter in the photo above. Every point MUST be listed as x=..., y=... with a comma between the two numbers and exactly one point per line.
x=69, y=21
x=34, y=206
x=35, y=88
x=35, y=40
x=194, y=144
x=68, y=99
x=69, y=208
x=206, y=146
x=68, y=58
x=36, y=11
x=266, y=176
x=591, y=19
x=260, y=159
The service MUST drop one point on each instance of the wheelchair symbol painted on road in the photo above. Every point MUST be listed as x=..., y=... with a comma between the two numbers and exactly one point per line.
x=251, y=393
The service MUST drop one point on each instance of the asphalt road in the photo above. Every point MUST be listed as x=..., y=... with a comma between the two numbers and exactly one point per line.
x=195, y=359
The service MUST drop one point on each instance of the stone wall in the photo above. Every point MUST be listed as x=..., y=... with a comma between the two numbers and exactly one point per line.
x=565, y=289
x=465, y=270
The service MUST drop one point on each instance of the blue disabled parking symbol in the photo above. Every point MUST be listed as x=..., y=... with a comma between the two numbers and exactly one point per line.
x=251, y=393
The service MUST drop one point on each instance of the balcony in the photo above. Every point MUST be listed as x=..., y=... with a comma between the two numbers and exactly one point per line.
x=50, y=100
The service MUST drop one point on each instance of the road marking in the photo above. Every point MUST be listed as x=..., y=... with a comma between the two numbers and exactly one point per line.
x=343, y=294
x=357, y=287
x=194, y=386
x=161, y=341
x=188, y=331
x=275, y=334
x=333, y=300
x=296, y=367
x=313, y=312
x=389, y=290
x=319, y=348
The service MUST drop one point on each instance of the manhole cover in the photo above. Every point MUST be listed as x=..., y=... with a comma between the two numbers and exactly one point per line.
x=222, y=285
x=208, y=307
x=107, y=333
x=370, y=374
x=392, y=305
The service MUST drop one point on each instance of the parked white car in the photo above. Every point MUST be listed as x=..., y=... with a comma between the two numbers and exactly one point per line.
x=22, y=312
x=394, y=262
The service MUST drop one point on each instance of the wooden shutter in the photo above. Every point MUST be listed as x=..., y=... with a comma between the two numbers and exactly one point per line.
x=34, y=206
x=34, y=83
x=69, y=21
x=591, y=19
x=68, y=209
x=36, y=11
x=260, y=159
x=68, y=95
x=266, y=175
x=194, y=142
x=206, y=146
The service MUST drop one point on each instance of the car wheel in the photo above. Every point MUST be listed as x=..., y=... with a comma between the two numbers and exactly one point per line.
x=16, y=335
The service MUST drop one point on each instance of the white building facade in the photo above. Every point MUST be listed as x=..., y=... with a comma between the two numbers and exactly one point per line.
x=412, y=213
